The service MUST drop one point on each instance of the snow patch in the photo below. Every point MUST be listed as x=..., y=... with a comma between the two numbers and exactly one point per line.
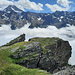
x=67, y=18
x=8, y=12
x=70, y=15
x=15, y=10
x=71, y=19
x=53, y=16
x=21, y=16
x=39, y=18
x=5, y=17
x=60, y=20
x=3, y=14
x=48, y=14
x=61, y=17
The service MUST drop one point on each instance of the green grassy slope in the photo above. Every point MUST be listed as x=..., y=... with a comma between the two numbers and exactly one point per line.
x=8, y=67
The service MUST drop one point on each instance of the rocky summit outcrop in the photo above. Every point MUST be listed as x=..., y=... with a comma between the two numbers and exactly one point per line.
x=21, y=38
x=49, y=54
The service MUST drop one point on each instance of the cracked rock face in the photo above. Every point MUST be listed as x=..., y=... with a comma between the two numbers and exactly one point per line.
x=61, y=51
x=32, y=49
x=58, y=56
x=31, y=63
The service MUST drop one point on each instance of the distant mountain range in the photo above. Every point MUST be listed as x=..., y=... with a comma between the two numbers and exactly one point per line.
x=18, y=18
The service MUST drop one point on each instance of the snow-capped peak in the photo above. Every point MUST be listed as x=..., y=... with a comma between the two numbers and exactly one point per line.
x=12, y=8
x=39, y=18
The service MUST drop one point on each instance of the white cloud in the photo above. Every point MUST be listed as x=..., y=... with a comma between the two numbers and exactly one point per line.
x=56, y=7
x=72, y=59
x=64, y=6
x=30, y=5
x=5, y=3
x=64, y=3
x=6, y=34
x=22, y=4
x=41, y=5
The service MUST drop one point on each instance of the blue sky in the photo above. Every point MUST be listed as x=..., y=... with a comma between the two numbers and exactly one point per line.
x=40, y=6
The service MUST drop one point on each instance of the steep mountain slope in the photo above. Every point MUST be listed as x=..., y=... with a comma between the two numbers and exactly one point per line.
x=18, y=18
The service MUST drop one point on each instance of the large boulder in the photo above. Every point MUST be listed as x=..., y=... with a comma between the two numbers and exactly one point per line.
x=45, y=53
